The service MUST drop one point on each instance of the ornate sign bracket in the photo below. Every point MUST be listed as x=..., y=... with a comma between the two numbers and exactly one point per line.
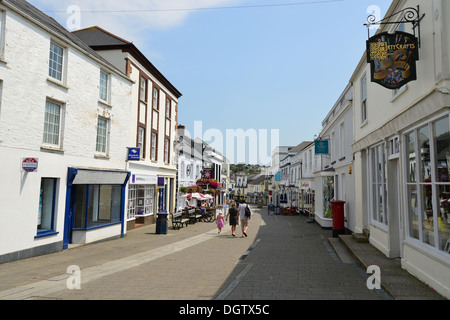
x=407, y=15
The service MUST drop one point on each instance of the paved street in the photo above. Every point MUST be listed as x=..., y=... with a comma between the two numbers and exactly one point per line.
x=283, y=258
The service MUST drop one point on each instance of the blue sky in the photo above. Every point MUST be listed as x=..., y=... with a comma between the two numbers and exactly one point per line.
x=254, y=67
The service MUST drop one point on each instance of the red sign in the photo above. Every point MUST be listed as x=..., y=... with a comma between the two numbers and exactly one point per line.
x=29, y=164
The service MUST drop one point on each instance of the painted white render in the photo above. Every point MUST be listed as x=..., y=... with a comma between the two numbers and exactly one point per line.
x=26, y=87
x=410, y=229
x=337, y=166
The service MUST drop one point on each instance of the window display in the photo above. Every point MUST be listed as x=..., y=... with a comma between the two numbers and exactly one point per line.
x=428, y=189
x=328, y=195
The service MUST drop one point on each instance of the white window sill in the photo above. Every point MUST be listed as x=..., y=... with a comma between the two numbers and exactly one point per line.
x=52, y=148
x=57, y=82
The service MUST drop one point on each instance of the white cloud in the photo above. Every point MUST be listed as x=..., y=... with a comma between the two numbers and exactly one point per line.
x=132, y=20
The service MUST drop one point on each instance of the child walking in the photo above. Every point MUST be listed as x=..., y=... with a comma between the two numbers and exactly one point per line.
x=219, y=221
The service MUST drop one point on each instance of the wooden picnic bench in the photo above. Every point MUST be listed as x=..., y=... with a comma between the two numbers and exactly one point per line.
x=178, y=221
x=193, y=215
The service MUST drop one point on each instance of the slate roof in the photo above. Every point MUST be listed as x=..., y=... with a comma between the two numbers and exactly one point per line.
x=100, y=39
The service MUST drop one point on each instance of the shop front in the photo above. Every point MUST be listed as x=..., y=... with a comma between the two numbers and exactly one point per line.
x=141, y=200
x=95, y=205
x=325, y=191
x=307, y=196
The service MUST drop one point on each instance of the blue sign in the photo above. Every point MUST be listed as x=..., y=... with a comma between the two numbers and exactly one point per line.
x=278, y=176
x=134, y=154
x=321, y=147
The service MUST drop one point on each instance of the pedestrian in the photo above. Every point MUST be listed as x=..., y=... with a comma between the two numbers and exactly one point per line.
x=233, y=214
x=244, y=217
x=219, y=221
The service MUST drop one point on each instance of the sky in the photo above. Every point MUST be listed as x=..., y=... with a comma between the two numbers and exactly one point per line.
x=271, y=69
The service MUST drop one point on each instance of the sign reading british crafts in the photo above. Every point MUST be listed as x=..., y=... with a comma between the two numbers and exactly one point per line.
x=392, y=58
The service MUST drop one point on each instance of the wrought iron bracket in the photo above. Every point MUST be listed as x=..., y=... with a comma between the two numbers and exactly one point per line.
x=407, y=15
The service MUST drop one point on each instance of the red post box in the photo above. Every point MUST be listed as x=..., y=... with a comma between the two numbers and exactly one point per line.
x=337, y=211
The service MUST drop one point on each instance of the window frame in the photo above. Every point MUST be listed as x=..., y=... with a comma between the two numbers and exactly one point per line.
x=418, y=184
x=377, y=216
x=106, y=137
x=51, y=231
x=107, y=87
x=61, y=108
x=364, y=100
x=63, y=62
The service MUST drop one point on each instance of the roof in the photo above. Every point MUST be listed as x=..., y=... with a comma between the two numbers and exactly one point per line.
x=41, y=18
x=100, y=39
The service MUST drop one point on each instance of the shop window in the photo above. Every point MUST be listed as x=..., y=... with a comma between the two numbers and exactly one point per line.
x=428, y=184
x=378, y=184
x=97, y=205
x=394, y=148
x=328, y=195
x=46, y=211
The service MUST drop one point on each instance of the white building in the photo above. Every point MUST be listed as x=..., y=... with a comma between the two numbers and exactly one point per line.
x=153, y=126
x=333, y=175
x=402, y=147
x=63, y=111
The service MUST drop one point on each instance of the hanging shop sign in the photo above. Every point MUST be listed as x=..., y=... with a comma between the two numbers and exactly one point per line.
x=321, y=147
x=392, y=58
x=134, y=154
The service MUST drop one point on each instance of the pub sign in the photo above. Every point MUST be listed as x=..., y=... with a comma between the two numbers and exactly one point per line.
x=392, y=58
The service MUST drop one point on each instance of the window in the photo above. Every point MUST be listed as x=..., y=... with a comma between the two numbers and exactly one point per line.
x=46, y=211
x=2, y=33
x=155, y=98
x=166, y=150
x=131, y=213
x=52, y=124
x=154, y=146
x=143, y=89
x=168, y=107
x=378, y=188
x=56, y=61
x=104, y=84
x=363, y=100
x=341, y=140
x=141, y=141
x=394, y=148
x=428, y=183
x=102, y=135
x=97, y=205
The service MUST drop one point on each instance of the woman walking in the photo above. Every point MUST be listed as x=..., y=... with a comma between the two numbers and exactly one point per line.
x=233, y=214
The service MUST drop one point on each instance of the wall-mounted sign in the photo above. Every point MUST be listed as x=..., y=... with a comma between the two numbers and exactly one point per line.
x=134, y=154
x=392, y=58
x=321, y=147
x=29, y=164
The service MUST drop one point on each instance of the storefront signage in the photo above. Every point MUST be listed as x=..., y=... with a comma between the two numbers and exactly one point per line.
x=321, y=146
x=392, y=58
x=143, y=179
x=29, y=164
x=134, y=154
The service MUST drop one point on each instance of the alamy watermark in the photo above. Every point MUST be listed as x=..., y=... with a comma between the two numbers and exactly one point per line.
x=238, y=145
x=73, y=21
x=374, y=280
x=74, y=280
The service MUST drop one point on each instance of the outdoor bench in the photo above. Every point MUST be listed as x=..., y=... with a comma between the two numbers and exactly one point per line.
x=178, y=221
